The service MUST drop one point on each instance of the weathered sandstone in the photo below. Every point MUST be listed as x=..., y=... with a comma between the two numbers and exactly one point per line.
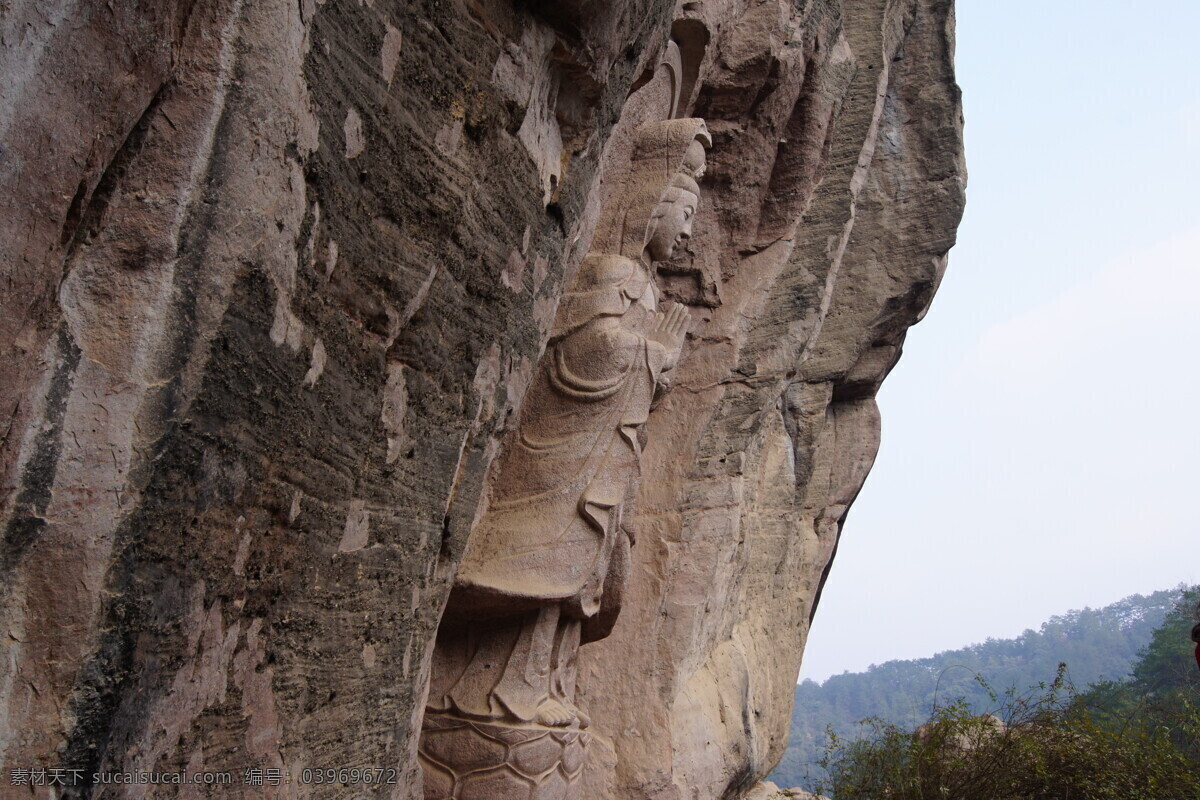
x=277, y=277
x=769, y=791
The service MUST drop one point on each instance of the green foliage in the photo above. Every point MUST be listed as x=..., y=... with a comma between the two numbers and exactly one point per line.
x=1136, y=738
x=1163, y=688
x=1042, y=745
x=1097, y=644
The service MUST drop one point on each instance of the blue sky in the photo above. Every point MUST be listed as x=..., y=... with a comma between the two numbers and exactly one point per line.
x=1040, y=433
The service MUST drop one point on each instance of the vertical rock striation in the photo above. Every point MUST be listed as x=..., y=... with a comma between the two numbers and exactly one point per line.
x=275, y=280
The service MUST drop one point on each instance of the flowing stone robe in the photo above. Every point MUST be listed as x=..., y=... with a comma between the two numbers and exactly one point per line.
x=546, y=565
x=555, y=529
x=552, y=550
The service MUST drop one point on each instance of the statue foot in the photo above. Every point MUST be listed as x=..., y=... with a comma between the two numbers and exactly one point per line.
x=554, y=714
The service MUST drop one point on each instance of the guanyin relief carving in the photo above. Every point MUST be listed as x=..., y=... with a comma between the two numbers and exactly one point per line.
x=546, y=565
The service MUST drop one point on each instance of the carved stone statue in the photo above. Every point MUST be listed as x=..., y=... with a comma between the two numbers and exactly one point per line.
x=546, y=565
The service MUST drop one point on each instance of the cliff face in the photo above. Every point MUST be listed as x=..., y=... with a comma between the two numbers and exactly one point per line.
x=276, y=279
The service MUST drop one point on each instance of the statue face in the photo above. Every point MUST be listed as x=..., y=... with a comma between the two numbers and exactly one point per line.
x=671, y=225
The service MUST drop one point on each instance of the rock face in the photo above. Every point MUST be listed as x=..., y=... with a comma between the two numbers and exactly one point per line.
x=769, y=791
x=276, y=280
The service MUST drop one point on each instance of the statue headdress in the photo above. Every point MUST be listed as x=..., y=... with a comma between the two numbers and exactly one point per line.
x=660, y=154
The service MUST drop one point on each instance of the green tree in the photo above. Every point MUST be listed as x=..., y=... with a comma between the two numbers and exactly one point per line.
x=1134, y=738
x=1042, y=745
x=1097, y=644
x=1163, y=688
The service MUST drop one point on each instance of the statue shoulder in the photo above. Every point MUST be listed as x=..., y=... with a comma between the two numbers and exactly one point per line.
x=604, y=286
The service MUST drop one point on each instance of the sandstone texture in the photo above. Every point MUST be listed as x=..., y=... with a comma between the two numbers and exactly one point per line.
x=769, y=791
x=274, y=280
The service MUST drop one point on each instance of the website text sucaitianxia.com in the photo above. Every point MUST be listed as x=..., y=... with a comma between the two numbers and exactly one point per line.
x=252, y=776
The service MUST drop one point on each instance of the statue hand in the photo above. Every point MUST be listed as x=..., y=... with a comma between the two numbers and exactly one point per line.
x=670, y=331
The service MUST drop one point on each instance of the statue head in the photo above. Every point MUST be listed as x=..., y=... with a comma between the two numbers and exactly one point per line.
x=671, y=220
x=652, y=215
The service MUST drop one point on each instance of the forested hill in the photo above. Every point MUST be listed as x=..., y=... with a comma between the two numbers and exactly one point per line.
x=1096, y=644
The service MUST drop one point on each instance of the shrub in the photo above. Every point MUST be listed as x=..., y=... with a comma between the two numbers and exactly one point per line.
x=1043, y=745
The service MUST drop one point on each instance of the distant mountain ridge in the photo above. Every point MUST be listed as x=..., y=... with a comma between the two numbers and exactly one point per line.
x=1096, y=644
